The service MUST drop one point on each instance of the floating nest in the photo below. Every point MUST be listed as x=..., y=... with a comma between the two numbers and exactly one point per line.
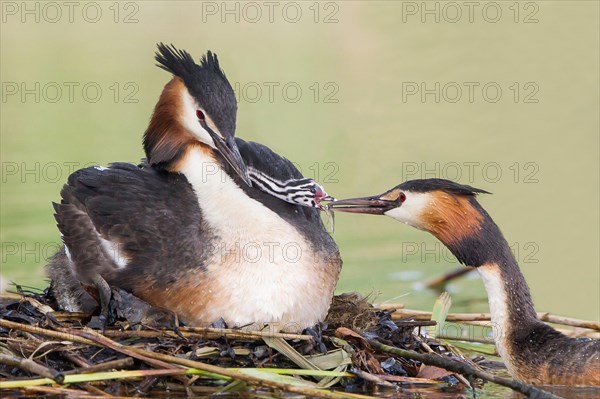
x=142, y=352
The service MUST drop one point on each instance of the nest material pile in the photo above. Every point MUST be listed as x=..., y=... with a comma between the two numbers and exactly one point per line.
x=350, y=350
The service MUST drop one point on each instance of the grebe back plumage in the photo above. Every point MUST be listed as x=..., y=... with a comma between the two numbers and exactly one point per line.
x=179, y=231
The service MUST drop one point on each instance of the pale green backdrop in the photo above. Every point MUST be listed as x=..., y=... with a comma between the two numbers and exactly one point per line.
x=504, y=97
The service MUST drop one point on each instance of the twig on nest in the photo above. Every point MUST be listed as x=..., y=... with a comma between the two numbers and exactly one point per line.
x=461, y=317
x=32, y=367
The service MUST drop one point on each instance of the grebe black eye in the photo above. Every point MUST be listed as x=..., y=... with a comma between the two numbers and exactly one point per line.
x=200, y=114
x=402, y=197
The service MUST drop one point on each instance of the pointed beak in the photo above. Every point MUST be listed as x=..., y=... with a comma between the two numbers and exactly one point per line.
x=320, y=196
x=370, y=205
x=229, y=150
x=231, y=153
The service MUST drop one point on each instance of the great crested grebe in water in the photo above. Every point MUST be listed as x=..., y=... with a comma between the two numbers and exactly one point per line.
x=532, y=351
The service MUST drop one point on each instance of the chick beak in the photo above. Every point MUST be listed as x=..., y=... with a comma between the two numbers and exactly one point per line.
x=321, y=195
x=370, y=205
x=229, y=150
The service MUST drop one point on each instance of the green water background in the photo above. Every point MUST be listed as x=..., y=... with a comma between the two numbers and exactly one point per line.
x=358, y=126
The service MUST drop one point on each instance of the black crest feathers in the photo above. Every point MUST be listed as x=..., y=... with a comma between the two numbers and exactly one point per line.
x=181, y=63
x=206, y=82
x=210, y=61
x=178, y=62
x=427, y=185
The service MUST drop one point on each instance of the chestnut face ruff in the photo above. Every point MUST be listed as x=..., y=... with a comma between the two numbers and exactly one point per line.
x=208, y=226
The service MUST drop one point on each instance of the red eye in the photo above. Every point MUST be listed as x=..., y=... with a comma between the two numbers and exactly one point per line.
x=200, y=114
x=402, y=197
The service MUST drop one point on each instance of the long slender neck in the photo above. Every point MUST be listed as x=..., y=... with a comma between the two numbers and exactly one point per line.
x=532, y=350
x=513, y=316
x=508, y=292
x=483, y=246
